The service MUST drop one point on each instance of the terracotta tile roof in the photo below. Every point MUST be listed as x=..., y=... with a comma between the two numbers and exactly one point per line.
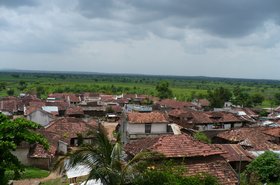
x=67, y=128
x=215, y=166
x=196, y=117
x=151, y=117
x=57, y=133
x=37, y=103
x=234, y=151
x=65, y=96
x=204, y=102
x=117, y=108
x=56, y=95
x=129, y=96
x=275, y=132
x=62, y=105
x=91, y=95
x=122, y=100
x=107, y=98
x=173, y=146
x=39, y=152
x=9, y=105
x=30, y=109
x=9, y=98
x=29, y=98
x=253, y=137
x=72, y=98
x=170, y=103
x=74, y=110
x=223, y=117
x=177, y=112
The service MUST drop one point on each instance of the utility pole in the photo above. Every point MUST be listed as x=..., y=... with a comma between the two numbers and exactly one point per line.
x=239, y=168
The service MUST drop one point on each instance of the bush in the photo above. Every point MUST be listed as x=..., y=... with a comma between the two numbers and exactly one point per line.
x=202, y=137
x=266, y=168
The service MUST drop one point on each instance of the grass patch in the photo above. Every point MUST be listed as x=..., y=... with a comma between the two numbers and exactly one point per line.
x=29, y=173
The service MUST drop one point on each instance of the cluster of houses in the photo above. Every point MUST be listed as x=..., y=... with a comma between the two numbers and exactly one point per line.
x=146, y=123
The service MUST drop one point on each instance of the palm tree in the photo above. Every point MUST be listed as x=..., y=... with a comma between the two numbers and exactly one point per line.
x=104, y=159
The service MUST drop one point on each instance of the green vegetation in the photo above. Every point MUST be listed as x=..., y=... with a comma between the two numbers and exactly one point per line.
x=106, y=162
x=264, y=169
x=104, y=159
x=202, y=137
x=163, y=90
x=28, y=173
x=12, y=133
x=219, y=96
x=183, y=88
x=170, y=172
x=155, y=177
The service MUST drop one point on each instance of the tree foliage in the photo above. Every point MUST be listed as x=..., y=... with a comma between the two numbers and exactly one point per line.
x=105, y=159
x=22, y=85
x=219, y=96
x=12, y=134
x=10, y=92
x=169, y=173
x=202, y=137
x=163, y=90
x=266, y=168
x=276, y=98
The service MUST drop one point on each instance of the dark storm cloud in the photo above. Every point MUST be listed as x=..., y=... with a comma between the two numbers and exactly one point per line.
x=17, y=3
x=225, y=18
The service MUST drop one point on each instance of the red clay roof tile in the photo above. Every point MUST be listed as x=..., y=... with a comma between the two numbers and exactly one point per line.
x=173, y=146
x=151, y=117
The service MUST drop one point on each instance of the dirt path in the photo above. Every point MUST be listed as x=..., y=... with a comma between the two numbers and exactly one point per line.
x=110, y=127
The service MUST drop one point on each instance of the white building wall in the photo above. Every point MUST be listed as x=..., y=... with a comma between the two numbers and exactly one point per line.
x=40, y=118
x=22, y=155
x=62, y=147
x=140, y=128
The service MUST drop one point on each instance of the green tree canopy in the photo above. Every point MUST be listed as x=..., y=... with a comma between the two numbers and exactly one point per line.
x=163, y=90
x=10, y=92
x=266, y=168
x=257, y=99
x=12, y=134
x=172, y=176
x=202, y=137
x=219, y=96
x=276, y=98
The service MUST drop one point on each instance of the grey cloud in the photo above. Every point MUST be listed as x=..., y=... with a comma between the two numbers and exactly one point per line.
x=17, y=3
x=230, y=18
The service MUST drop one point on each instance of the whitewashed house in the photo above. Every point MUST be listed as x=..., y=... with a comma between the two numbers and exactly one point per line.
x=138, y=125
x=41, y=117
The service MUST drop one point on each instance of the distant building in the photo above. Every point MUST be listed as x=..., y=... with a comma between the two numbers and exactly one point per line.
x=41, y=117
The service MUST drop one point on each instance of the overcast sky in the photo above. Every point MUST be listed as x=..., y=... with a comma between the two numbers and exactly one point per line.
x=223, y=38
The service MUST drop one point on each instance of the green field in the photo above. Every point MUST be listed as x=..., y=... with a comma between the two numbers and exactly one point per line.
x=184, y=88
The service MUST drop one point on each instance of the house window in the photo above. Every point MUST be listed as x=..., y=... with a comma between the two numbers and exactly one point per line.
x=218, y=126
x=148, y=128
x=168, y=128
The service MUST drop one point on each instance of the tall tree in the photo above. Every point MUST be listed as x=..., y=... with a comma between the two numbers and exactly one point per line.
x=219, y=96
x=163, y=90
x=12, y=134
x=257, y=99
